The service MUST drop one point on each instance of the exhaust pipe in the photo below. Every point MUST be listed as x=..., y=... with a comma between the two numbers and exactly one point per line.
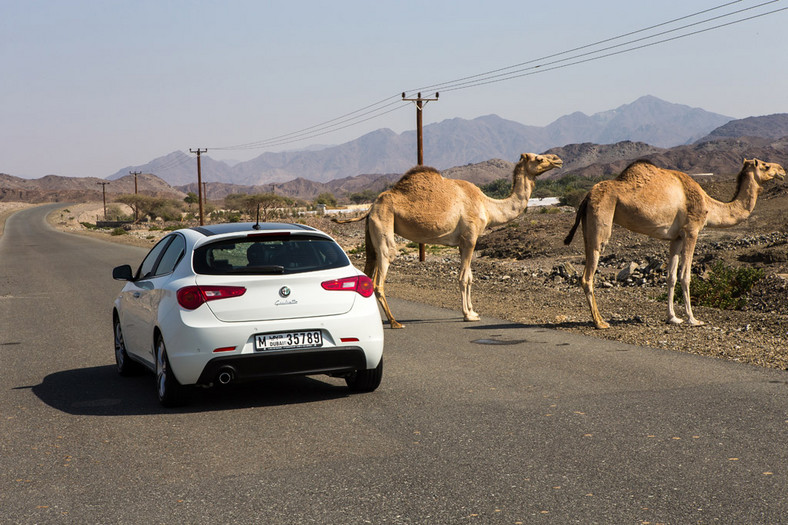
x=225, y=375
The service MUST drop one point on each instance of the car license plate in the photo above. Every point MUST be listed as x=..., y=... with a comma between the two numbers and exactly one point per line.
x=288, y=340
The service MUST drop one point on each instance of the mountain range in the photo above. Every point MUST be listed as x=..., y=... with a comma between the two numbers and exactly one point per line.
x=720, y=151
x=453, y=142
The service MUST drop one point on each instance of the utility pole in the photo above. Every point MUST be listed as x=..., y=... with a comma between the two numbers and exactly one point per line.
x=136, y=206
x=199, y=179
x=104, y=196
x=420, y=102
x=205, y=193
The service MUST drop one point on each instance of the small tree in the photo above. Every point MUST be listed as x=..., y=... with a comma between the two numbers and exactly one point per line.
x=248, y=204
x=498, y=189
x=191, y=198
x=326, y=198
x=363, y=196
x=138, y=202
x=167, y=209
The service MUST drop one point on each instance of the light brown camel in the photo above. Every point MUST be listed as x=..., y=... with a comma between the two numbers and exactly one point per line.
x=663, y=204
x=426, y=208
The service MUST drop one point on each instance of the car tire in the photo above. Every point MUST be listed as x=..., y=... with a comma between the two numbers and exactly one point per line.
x=125, y=365
x=365, y=380
x=169, y=391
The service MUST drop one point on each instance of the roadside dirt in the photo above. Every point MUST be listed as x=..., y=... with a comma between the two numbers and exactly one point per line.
x=525, y=274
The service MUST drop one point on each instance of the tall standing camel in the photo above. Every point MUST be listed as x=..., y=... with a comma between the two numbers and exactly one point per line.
x=426, y=208
x=663, y=204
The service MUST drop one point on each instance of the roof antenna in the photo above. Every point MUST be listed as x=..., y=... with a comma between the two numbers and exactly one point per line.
x=257, y=226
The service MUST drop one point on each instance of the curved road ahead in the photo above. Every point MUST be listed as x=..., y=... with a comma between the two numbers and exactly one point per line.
x=485, y=422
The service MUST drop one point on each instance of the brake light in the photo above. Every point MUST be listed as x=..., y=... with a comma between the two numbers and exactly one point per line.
x=361, y=284
x=191, y=297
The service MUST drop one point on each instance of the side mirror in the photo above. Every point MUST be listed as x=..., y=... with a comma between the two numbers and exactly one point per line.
x=122, y=273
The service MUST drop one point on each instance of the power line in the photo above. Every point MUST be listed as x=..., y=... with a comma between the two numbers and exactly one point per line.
x=172, y=163
x=580, y=48
x=381, y=108
x=323, y=125
x=512, y=74
x=317, y=130
x=540, y=69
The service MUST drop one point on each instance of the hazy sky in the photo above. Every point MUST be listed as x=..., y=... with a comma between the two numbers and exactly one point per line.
x=90, y=87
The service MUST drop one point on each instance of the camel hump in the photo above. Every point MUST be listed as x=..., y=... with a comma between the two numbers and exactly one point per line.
x=420, y=176
x=637, y=168
x=418, y=171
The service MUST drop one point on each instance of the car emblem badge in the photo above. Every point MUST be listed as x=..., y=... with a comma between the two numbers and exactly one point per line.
x=284, y=291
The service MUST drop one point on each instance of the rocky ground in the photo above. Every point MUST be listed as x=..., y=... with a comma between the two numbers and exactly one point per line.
x=524, y=273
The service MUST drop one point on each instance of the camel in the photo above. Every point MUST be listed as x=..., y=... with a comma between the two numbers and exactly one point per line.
x=663, y=204
x=426, y=208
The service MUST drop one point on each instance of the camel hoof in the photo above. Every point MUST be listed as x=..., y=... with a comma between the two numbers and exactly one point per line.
x=473, y=316
x=695, y=322
x=675, y=320
x=396, y=324
x=601, y=325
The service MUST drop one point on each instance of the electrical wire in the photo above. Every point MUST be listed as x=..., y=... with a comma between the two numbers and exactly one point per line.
x=381, y=108
x=541, y=68
x=580, y=48
x=318, y=129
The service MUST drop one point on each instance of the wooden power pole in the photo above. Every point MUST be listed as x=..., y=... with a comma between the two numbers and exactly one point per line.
x=199, y=179
x=136, y=206
x=420, y=102
x=104, y=196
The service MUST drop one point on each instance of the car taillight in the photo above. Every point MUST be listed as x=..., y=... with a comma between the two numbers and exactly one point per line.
x=191, y=297
x=360, y=284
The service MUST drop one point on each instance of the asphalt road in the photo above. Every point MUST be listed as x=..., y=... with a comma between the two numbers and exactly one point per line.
x=485, y=422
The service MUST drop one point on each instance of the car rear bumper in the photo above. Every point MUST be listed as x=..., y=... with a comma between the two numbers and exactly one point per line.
x=195, y=340
x=244, y=367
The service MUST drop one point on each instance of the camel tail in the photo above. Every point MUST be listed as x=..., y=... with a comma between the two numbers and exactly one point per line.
x=581, y=211
x=345, y=221
x=371, y=255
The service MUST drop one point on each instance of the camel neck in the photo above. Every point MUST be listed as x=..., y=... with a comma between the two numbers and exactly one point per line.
x=724, y=214
x=505, y=210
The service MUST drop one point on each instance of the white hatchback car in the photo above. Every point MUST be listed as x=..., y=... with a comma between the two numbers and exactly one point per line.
x=241, y=301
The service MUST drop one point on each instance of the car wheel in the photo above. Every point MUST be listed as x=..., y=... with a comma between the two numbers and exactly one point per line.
x=125, y=365
x=170, y=392
x=365, y=380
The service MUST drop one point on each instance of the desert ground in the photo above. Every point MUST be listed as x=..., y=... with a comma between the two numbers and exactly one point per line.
x=523, y=273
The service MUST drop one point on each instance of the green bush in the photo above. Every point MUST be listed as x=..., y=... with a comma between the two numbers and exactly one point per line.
x=569, y=188
x=118, y=231
x=725, y=288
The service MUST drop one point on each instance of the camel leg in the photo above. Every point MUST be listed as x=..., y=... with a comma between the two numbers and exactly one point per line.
x=384, y=250
x=466, y=280
x=595, y=235
x=673, y=266
x=686, y=275
x=379, y=281
x=587, y=282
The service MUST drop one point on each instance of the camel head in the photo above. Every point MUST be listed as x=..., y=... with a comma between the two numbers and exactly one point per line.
x=763, y=171
x=537, y=164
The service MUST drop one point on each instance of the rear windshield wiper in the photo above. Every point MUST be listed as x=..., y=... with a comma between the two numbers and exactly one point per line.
x=266, y=269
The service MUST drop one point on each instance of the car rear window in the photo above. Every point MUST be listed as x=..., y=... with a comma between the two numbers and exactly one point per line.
x=269, y=254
